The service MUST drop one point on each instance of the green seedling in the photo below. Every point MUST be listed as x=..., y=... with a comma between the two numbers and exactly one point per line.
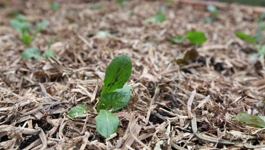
x=54, y=6
x=21, y=25
x=261, y=25
x=48, y=53
x=97, y=6
x=256, y=120
x=261, y=49
x=214, y=13
x=36, y=53
x=114, y=96
x=122, y=3
x=178, y=39
x=195, y=37
x=157, y=18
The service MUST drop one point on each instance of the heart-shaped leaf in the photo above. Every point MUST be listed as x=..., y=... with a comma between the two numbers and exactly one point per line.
x=117, y=73
x=47, y=54
x=31, y=53
x=114, y=100
x=106, y=123
x=196, y=37
x=77, y=111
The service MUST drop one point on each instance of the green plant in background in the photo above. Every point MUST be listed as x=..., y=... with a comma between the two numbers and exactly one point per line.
x=122, y=3
x=260, y=48
x=21, y=25
x=214, y=13
x=54, y=6
x=195, y=37
x=114, y=96
x=157, y=18
x=36, y=53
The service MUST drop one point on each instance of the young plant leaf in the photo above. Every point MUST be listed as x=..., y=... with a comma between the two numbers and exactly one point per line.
x=127, y=88
x=51, y=41
x=211, y=8
x=103, y=34
x=48, y=53
x=26, y=39
x=31, y=53
x=122, y=3
x=196, y=37
x=54, y=6
x=114, y=100
x=159, y=17
x=20, y=26
x=250, y=119
x=246, y=37
x=40, y=26
x=77, y=111
x=106, y=123
x=117, y=73
x=178, y=39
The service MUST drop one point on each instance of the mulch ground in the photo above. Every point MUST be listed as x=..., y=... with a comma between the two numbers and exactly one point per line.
x=171, y=106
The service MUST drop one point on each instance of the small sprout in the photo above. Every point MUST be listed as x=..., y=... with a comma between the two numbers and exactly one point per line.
x=21, y=25
x=54, y=6
x=31, y=53
x=79, y=110
x=159, y=17
x=122, y=3
x=114, y=96
x=178, y=39
x=48, y=53
x=214, y=13
x=196, y=37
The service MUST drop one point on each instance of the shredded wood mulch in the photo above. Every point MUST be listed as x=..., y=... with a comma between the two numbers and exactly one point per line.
x=171, y=107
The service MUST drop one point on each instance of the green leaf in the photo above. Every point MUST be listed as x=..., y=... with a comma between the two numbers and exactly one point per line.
x=196, y=37
x=122, y=3
x=31, y=53
x=178, y=39
x=117, y=73
x=26, y=39
x=21, y=18
x=54, y=6
x=246, y=37
x=47, y=54
x=211, y=8
x=208, y=20
x=114, y=100
x=77, y=111
x=250, y=119
x=20, y=26
x=40, y=26
x=127, y=88
x=159, y=17
x=51, y=41
x=106, y=123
